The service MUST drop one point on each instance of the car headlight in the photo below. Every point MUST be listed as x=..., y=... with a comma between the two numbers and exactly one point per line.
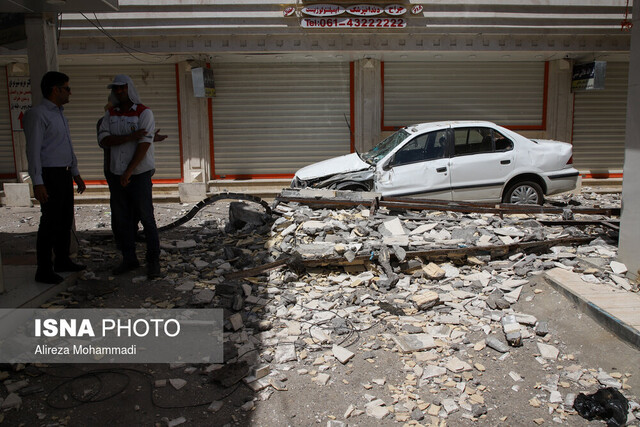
x=297, y=183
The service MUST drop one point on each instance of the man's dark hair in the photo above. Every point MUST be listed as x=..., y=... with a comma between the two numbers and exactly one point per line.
x=50, y=80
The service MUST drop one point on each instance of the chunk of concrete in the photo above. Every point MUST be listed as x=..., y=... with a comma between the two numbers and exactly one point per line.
x=12, y=401
x=342, y=354
x=414, y=342
x=426, y=300
x=285, y=353
x=177, y=383
x=433, y=271
x=618, y=267
x=548, y=351
x=192, y=192
x=17, y=194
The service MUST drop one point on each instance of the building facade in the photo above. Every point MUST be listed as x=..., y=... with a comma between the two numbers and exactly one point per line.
x=302, y=82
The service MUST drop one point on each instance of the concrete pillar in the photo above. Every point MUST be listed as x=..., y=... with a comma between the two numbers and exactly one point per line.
x=560, y=104
x=195, y=129
x=368, y=103
x=42, y=49
x=629, y=247
x=19, y=141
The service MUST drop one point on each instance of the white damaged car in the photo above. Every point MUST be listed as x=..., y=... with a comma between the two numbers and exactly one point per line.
x=458, y=160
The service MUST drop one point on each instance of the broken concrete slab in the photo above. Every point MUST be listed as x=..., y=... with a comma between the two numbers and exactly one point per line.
x=414, y=342
x=547, y=351
x=342, y=354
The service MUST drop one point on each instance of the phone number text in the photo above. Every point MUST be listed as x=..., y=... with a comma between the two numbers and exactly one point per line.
x=353, y=23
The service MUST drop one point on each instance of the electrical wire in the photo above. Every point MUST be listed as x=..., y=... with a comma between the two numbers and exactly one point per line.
x=95, y=395
x=128, y=49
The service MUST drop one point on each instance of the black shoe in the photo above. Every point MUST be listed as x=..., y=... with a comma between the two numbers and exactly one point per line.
x=68, y=266
x=125, y=267
x=153, y=270
x=48, y=277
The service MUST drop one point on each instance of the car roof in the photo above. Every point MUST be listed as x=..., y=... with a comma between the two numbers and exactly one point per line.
x=429, y=126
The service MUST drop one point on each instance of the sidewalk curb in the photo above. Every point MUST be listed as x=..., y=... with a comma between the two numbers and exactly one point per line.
x=606, y=319
x=51, y=292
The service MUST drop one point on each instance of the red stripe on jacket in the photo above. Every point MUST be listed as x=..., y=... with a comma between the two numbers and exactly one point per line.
x=129, y=113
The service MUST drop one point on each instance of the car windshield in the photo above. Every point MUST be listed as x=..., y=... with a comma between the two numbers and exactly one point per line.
x=374, y=155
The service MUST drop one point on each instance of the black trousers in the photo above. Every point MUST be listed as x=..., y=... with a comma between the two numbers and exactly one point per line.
x=54, y=233
x=129, y=205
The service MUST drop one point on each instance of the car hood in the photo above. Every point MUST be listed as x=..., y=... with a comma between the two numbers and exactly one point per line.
x=343, y=164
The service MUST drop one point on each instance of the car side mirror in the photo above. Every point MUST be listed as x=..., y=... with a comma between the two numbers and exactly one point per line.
x=388, y=164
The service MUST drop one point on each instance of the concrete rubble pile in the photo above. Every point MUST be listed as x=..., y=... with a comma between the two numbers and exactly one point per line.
x=436, y=316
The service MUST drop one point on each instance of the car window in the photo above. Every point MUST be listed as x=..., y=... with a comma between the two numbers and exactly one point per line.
x=473, y=140
x=502, y=143
x=385, y=147
x=428, y=146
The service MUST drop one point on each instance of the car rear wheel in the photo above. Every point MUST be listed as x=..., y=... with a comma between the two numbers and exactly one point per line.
x=524, y=193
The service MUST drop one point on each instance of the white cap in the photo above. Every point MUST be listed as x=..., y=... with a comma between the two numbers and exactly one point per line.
x=119, y=80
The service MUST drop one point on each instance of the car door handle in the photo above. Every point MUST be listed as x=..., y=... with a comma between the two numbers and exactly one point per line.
x=505, y=162
x=444, y=169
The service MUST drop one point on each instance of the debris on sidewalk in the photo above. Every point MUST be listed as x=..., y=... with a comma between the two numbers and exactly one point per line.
x=315, y=293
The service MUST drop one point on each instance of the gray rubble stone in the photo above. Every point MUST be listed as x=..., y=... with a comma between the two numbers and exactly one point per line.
x=215, y=406
x=342, y=354
x=618, y=267
x=414, y=342
x=177, y=383
x=425, y=301
x=392, y=227
x=493, y=342
x=377, y=412
x=15, y=386
x=285, y=353
x=433, y=371
x=547, y=351
x=176, y=421
x=236, y=321
x=12, y=401
x=205, y=296
x=542, y=328
x=417, y=415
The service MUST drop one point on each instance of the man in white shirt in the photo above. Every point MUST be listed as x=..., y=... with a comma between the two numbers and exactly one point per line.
x=53, y=168
x=127, y=129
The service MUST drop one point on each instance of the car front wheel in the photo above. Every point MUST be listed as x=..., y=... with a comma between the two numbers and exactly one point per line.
x=524, y=193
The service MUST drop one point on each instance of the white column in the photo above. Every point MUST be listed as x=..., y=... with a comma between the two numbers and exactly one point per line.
x=42, y=49
x=195, y=129
x=367, y=103
x=629, y=247
x=560, y=104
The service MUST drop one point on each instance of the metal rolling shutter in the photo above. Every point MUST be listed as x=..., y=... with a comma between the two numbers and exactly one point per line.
x=156, y=85
x=599, y=121
x=507, y=93
x=7, y=161
x=276, y=118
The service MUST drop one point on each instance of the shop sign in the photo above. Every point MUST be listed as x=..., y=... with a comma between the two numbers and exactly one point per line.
x=588, y=76
x=395, y=10
x=353, y=23
x=323, y=10
x=365, y=10
x=19, y=99
x=417, y=9
x=289, y=11
x=203, y=83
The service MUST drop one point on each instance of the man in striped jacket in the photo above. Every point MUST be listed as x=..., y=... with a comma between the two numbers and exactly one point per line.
x=127, y=129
